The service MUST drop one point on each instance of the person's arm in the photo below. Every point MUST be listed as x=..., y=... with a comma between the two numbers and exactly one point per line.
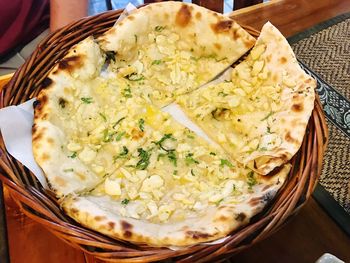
x=62, y=12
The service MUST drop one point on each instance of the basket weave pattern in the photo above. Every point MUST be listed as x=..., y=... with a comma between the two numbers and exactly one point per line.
x=41, y=205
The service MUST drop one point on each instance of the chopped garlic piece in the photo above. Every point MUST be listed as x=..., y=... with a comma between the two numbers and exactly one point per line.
x=151, y=183
x=87, y=155
x=73, y=146
x=257, y=52
x=257, y=67
x=97, y=168
x=112, y=186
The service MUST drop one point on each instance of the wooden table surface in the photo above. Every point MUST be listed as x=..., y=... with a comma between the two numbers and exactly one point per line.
x=305, y=238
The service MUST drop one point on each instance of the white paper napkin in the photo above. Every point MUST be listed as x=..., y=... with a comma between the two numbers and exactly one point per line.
x=16, y=127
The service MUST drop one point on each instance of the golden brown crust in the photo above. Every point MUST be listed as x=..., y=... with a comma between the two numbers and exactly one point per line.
x=183, y=16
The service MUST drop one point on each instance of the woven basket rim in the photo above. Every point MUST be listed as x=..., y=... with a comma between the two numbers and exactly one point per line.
x=42, y=206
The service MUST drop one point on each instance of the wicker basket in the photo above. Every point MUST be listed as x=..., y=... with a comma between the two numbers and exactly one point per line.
x=42, y=206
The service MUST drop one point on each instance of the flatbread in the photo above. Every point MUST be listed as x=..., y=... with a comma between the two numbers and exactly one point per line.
x=175, y=191
x=170, y=48
x=260, y=114
x=121, y=166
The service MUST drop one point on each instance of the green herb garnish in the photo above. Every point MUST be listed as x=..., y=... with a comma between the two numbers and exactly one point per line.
x=86, y=100
x=159, y=28
x=156, y=62
x=125, y=201
x=160, y=143
x=144, y=159
x=172, y=157
x=118, y=121
x=127, y=92
x=119, y=136
x=161, y=155
x=212, y=153
x=135, y=77
x=122, y=154
x=74, y=154
x=218, y=202
x=175, y=172
x=224, y=162
x=103, y=116
x=190, y=160
x=193, y=174
x=135, y=36
x=267, y=116
x=223, y=94
x=251, y=180
x=68, y=170
x=107, y=136
x=142, y=124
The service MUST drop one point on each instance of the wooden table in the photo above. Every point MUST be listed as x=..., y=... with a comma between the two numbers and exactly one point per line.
x=305, y=238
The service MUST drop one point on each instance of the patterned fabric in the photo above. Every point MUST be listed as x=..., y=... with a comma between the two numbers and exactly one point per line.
x=328, y=53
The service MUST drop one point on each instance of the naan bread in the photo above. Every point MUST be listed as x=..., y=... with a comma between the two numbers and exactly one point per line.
x=175, y=191
x=124, y=168
x=259, y=116
x=167, y=49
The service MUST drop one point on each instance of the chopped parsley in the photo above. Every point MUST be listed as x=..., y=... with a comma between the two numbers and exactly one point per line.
x=268, y=129
x=267, y=116
x=190, y=160
x=212, y=153
x=161, y=155
x=74, y=154
x=107, y=136
x=135, y=36
x=172, y=157
x=135, y=77
x=156, y=62
x=159, y=28
x=175, y=172
x=119, y=136
x=193, y=174
x=218, y=202
x=125, y=201
x=127, y=92
x=86, y=100
x=122, y=154
x=103, y=116
x=224, y=162
x=160, y=143
x=262, y=149
x=144, y=159
x=118, y=121
x=68, y=170
x=251, y=180
x=223, y=94
x=142, y=124
x=190, y=136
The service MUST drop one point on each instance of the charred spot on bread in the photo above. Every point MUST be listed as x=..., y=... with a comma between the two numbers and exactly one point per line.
x=222, y=26
x=183, y=16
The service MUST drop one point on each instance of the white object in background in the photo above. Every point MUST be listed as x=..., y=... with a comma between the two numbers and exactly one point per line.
x=329, y=258
x=16, y=127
